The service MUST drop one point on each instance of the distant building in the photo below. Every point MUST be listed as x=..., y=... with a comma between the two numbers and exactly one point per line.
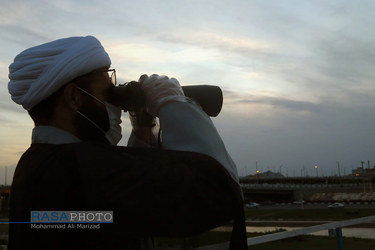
x=268, y=174
x=363, y=171
x=4, y=198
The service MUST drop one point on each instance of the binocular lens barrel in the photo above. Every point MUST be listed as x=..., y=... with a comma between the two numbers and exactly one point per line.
x=130, y=97
x=209, y=97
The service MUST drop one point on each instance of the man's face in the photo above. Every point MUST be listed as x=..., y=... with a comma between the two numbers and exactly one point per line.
x=99, y=86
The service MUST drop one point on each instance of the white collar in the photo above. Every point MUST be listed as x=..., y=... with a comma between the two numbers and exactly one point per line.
x=52, y=135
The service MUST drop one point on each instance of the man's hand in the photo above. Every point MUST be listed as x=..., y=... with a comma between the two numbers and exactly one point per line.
x=145, y=127
x=160, y=91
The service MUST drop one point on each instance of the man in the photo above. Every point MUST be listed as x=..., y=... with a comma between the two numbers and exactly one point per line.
x=73, y=164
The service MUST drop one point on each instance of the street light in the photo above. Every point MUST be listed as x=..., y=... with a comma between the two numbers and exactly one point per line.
x=316, y=168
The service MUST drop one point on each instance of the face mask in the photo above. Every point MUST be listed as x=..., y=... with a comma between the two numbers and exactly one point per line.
x=113, y=135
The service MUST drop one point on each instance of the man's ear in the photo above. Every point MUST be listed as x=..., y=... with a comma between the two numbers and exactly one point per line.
x=72, y=96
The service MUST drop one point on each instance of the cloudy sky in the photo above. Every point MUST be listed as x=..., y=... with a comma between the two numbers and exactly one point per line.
x=297, y=76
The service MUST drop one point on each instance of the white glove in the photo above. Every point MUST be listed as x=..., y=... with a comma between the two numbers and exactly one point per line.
x=159, y=91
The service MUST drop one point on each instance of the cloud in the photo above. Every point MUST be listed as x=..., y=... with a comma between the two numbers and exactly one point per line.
x=22, y=35
x=339, y=71
x=235, y=99
x=348, y=59
x=25, y=23
x=333, y=58
x=294, y=138
x=4, y=120
x=6, y=103
x=283, y=103
x=217, y=41
x=238, y=54
x=297, y=76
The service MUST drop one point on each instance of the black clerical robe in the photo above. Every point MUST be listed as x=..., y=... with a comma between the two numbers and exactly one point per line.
x=152, y=192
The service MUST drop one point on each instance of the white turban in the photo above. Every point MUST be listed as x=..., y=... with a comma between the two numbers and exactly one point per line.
x=38, y=72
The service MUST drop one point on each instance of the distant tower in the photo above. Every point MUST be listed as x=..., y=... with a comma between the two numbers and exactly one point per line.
x=6, y=170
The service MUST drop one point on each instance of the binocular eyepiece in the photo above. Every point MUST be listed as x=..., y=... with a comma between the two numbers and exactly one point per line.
x=130, y=97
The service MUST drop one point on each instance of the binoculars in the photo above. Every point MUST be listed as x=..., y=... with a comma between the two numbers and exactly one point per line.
x=130, y=97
